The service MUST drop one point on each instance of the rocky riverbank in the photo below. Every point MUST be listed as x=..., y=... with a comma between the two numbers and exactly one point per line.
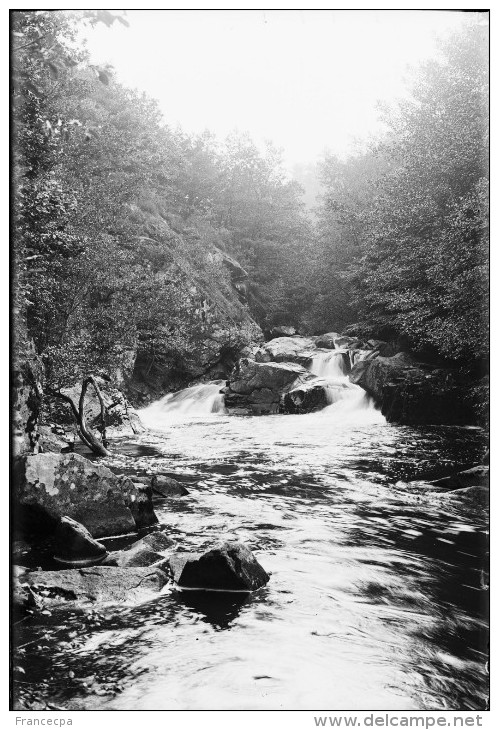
x=69, y=503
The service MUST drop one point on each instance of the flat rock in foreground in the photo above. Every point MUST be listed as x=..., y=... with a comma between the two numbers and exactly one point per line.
x=230, y=566
x=107, y=584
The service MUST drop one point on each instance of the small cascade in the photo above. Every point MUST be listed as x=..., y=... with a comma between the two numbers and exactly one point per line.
x=198, y=400
x=331, y=364
x=344, y=397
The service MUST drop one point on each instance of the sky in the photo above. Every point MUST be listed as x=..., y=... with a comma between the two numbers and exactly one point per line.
x=306, y=80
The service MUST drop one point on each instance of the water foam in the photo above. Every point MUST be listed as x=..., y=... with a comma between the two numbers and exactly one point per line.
x=198, y=400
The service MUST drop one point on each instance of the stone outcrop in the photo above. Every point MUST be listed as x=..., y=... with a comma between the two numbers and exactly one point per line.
x=409, y=392
x=48, y=487
x=59, y=588
x=257, y=387
x=230, y=566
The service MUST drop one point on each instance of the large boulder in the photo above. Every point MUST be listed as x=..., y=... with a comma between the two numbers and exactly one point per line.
x=287, y=349
x=409, y=392
x=327, y=340
x=106, y=584
x=165, y=486
x=50, y=486
x=230, y=566
x=307, y=397
x=76, y=546
x=257, y=387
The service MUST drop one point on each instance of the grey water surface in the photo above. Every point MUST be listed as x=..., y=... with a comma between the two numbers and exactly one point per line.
x=377, y=597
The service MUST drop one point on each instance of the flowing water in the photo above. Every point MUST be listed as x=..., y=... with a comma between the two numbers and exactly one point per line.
x=377, y=597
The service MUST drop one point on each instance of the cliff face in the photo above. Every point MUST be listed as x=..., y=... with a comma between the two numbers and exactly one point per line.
x=220, y=329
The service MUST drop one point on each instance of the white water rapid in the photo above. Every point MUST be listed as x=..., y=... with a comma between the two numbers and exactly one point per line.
x=345, y=399
x=198, y=400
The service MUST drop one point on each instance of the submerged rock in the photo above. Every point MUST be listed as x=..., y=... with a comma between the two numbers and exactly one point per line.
x=48, y=487
x=473, y=500
x=478, y=476
x=230, y=566
x=76, y=546
x=478, y=497
x=65, y=587
x=165, y=486
x=147, y=551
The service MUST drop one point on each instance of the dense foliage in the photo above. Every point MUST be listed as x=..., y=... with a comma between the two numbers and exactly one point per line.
x=123, y=225
x=404, y=226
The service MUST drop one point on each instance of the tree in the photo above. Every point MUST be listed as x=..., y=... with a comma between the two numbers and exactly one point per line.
x=416, y=233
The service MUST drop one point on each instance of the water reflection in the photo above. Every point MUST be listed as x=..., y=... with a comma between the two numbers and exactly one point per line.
x=218, y=609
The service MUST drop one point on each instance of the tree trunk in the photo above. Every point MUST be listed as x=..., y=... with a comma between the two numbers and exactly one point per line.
x=88, y=438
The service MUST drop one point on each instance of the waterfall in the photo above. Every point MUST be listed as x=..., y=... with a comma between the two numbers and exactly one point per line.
x=198, y=400
x=344, y=397
x=331, y=364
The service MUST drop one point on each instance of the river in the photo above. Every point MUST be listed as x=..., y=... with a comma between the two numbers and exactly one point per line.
x=377, y=597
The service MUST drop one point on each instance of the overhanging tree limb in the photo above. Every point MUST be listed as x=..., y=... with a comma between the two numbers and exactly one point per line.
x=88, y=438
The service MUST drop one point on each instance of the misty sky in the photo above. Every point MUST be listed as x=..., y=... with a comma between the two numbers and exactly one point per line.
x=307, y=80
